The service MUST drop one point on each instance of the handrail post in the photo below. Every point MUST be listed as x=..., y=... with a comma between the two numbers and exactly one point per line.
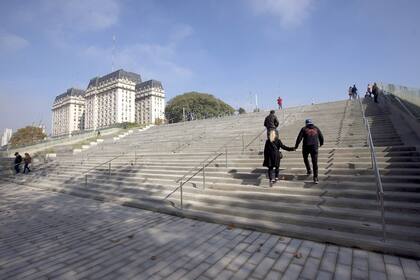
x=243, y=143
x=85, y=180
x=383, y=216
x=180, y=188
x=204, y=177
x=109, y=168
x=379, y=188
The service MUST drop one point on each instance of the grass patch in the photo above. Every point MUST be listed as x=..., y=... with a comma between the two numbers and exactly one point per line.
x=79, y=145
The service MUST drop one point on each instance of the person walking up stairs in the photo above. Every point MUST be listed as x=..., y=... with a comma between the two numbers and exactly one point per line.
x=312, y=139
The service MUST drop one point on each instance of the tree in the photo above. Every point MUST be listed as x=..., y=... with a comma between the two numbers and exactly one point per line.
x=196, y=105
x=241, y=111
x=27, y=136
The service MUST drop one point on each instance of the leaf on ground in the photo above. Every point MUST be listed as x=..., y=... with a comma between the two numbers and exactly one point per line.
x=297, y=255
x=153, y=258
x=231, y=226
x=131, y=236
x=115, y=240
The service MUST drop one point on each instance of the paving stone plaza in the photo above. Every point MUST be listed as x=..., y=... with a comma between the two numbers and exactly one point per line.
x=47, y=235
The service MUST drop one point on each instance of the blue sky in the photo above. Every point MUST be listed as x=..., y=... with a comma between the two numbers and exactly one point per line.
x=303, y=50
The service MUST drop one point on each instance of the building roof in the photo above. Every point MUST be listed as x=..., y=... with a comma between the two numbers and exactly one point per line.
x=119, y=74
x=71, y=92
x=149, y=84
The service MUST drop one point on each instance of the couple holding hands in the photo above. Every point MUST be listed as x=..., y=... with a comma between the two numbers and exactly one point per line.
x=312, y=139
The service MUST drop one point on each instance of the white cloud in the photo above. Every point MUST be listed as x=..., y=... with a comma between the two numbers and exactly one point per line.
x=12, y=43
x=83, y=14
x=152, y=60
x=291, y=13
x=180, y=33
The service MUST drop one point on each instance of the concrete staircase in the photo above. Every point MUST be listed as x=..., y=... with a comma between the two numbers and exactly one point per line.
x=148, y=166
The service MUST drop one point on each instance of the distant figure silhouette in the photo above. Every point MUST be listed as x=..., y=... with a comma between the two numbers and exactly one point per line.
x=369, y=91
x=27, y=160
x=280, y=102
x=354, y=91
x=17, y=162
x=375, y=92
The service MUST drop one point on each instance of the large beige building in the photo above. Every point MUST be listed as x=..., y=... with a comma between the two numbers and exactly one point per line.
x=115, y=98
x=110, y=99
x=150, y=102
x=68, y=112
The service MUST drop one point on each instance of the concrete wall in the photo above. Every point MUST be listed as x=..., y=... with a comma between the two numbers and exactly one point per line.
x=56, y=142
x=411, y=95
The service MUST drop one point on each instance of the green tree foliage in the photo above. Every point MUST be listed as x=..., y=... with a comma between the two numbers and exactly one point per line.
x=202, y=105
x=241, y=111
x=27, y=136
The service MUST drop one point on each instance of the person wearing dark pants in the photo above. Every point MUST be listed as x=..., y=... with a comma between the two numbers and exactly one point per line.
x=272, y=155
x=17, y=162
x=27, y=160
x=271, y=122
x=312, y=139
x=310, y=150
x=375, y=92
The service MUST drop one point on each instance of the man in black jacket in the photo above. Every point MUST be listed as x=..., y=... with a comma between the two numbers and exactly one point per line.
x=375, y=92
x=271, y=123
x=312, y=138
x=18, y=161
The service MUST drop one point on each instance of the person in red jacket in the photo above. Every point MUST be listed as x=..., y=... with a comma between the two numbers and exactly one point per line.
x=280, y=102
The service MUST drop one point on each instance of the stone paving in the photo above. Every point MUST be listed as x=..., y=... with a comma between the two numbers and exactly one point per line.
x=45, y=235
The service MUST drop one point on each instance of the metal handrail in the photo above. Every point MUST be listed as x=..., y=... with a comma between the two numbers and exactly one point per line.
x=379, y=188
x=255, y=138
x=402, y=105
x=182, y=183
x=206, y=159
x=108, y=161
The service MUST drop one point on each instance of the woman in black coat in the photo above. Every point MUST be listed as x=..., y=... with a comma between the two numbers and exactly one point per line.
x=272, y=155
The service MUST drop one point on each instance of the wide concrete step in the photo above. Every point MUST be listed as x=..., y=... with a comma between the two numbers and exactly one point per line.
x=285, y=170
x=310, y=196
x=331, y=235
x=247, y=209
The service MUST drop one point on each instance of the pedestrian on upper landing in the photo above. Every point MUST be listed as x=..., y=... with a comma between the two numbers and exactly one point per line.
x=354, y=91
x=368, y=91
x=271, y=122
x=273, y=155
x=17, y=162
x=27, y=160
x=280, y=103
x=350, y=93
x=312, y=139
x=375, y=92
